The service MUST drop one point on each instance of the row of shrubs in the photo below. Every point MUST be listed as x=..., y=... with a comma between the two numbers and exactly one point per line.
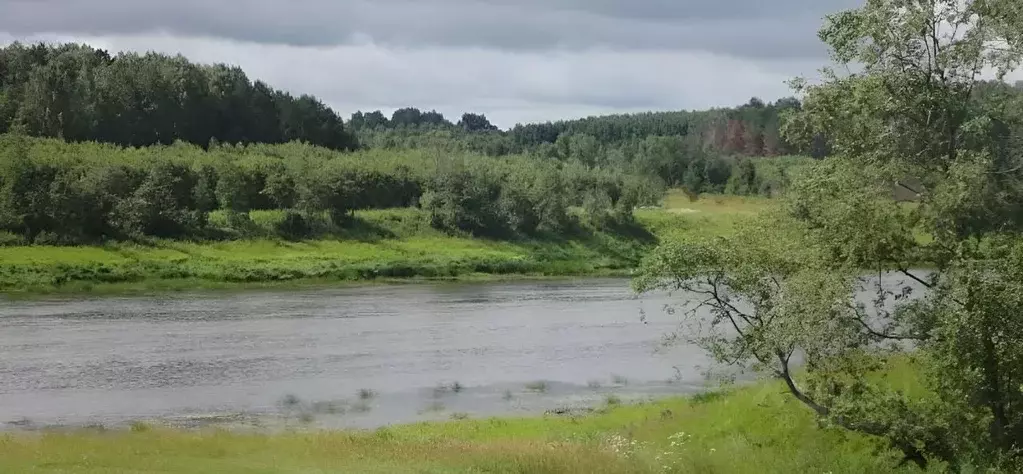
x=56, y=192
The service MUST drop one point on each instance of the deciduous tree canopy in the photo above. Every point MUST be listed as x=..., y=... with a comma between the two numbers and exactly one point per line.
x=914, y=115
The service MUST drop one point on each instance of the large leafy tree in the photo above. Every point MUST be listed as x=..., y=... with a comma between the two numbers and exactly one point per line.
x=899, y=111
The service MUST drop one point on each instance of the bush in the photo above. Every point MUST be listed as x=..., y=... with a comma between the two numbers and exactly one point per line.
x=466, y=200
x=163, y=206
x=598, y=207
x=744, y=180
x=294, y=226
x=8, y=239
x=241, y=224
x=87, y=192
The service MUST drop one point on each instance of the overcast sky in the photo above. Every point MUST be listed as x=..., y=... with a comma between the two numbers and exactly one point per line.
x=514, y=60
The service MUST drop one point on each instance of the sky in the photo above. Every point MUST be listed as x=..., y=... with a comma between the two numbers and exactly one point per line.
x=516, y=61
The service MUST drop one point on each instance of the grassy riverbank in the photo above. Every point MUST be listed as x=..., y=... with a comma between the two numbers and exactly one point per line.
x=383, y=245
x=757, y=429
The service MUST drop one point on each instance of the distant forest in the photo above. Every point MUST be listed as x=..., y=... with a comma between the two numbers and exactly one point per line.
x=79, y=93
x=116, y=147
x=753, y=129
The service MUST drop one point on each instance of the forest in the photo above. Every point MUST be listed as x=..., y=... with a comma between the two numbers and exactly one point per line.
x=79, y=93
x=100, y=147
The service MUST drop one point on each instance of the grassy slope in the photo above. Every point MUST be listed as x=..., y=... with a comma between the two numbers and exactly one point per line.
x=751, y=430
x=388, y=244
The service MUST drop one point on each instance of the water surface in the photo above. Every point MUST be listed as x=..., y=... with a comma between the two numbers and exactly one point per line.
x=267, y=356
x=207, y=355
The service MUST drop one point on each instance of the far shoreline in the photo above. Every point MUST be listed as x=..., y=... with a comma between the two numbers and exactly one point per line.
x=163, y=287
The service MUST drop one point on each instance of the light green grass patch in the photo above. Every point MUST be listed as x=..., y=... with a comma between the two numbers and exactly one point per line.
x=383, y=244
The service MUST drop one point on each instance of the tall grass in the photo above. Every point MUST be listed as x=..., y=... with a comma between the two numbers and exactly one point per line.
x=758, y=429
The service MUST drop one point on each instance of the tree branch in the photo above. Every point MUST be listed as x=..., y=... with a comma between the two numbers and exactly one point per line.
x=785, y=374
x=909, y=450
x=894, y=337
x=927, y=284
x=905, y=186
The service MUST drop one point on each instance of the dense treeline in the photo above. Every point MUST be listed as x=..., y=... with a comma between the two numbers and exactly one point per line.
x=701, y=151
x=57, y=192
x=413, y=118
x=753, y=129
x=153, y=145
x=80, y=93
x=706, y=151
x=676, y=161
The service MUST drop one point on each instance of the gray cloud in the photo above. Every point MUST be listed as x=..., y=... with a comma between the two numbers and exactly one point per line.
x=514, y=60
x=744, y=28
x=508, y=86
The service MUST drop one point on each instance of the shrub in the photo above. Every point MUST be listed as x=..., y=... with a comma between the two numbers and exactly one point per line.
x=8, y=239
x=293, y=226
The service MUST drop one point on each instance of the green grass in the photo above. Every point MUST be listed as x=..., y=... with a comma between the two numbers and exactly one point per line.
x=757, y=429
x=381, y=245
x=707, y=216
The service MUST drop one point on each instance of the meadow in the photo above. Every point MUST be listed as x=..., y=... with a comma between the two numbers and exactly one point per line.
x=384, y=245
x=754, y=429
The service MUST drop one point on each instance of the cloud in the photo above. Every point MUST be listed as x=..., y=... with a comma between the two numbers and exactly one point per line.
x=508, y=86
x=514, y=60
x=745, y=28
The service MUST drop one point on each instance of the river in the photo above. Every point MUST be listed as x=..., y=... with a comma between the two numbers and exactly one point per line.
x=415, y=352
x=350, y=357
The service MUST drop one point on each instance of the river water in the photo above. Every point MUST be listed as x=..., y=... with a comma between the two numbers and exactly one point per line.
x=184, y=358
x=362, y=356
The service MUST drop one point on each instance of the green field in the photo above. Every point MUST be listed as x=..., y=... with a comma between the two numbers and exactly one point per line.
x=384, y=245
x=757, y=429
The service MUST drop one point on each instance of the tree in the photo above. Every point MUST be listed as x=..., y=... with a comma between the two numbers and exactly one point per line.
x=783, y=287
x=406, y=117
x=475, y=123
x=468, y=200
x=24, y=188
x=434, y=118
x=162, y=206
x=735, y=141
x=696, y=176
x=744, y=178
x=368, y=120
x=755, y=142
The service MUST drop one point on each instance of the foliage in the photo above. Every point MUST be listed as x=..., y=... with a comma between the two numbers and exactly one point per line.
x=293, y=226
x=475, y=123
x=725, y=131
x=89, y=192
x=915, y=116
x=466, y=200
x=79, y=93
